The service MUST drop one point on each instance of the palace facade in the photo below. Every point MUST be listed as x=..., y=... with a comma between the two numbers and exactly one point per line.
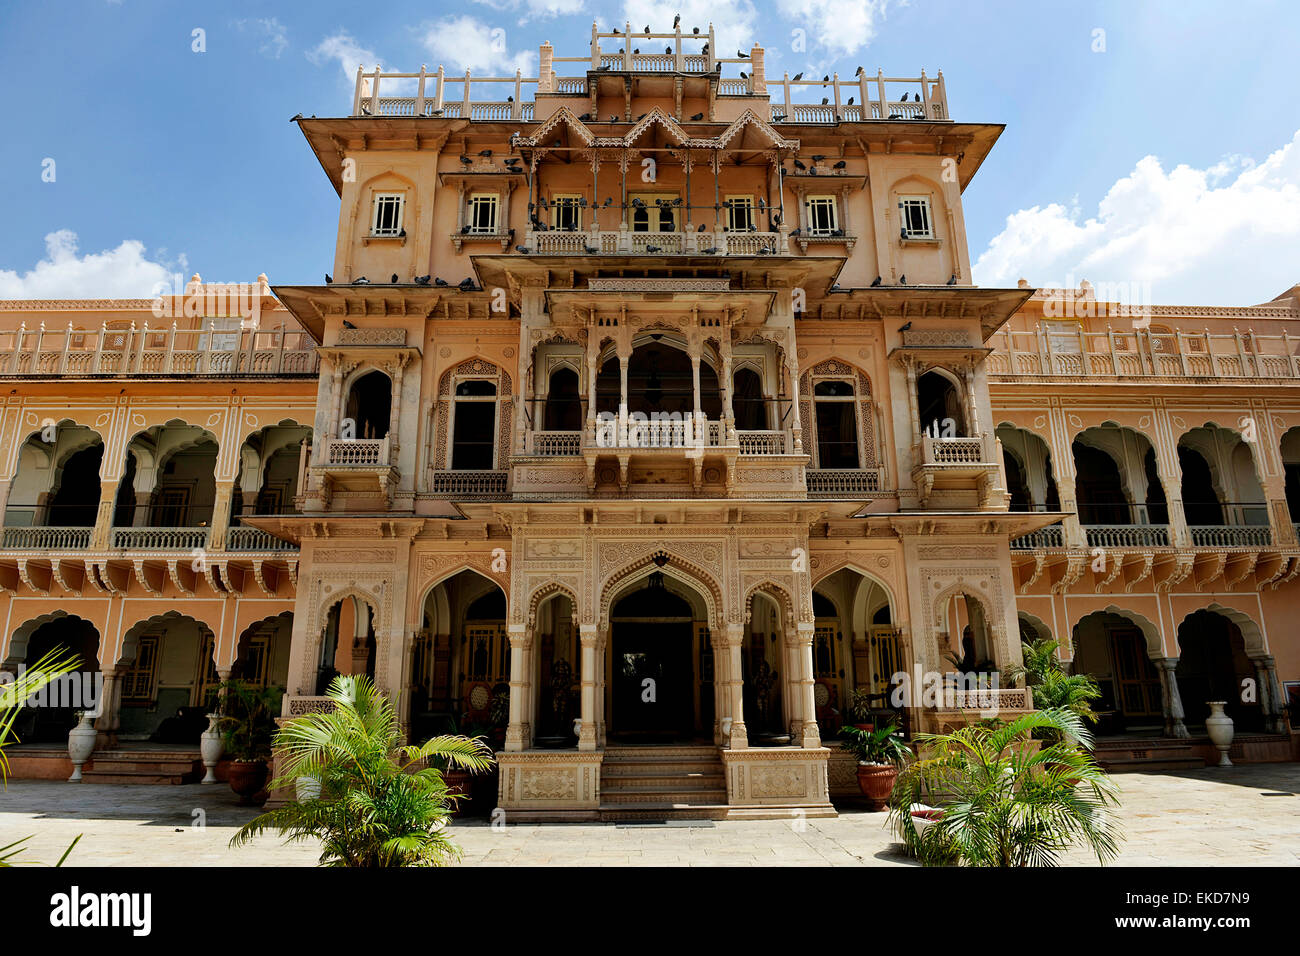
x=647, y=421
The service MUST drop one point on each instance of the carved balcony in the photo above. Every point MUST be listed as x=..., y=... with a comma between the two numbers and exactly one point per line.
x=960, y=471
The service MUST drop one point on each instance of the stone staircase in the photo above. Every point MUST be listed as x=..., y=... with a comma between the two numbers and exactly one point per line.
x=1135, y=754
x=662, y=783
x=144, y=766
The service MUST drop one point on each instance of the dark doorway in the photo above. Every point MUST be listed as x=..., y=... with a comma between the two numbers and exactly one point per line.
x=747, y=401
x=76, y=501
x=1212, y=665
x=369, y=405
x=1099, y=488
x=653, y=679
x=1200, y=500
x=563, y=405
x=939, y=404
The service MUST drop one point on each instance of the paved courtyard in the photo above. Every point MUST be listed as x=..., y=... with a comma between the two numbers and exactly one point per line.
x=1245, y=816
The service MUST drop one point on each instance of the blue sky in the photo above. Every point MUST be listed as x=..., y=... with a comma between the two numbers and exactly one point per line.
x=1169, y=157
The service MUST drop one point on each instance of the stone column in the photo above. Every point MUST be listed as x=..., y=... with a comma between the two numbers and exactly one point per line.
x=1170, y=700
x=1278, y=722
x=110, y=710
x=811, y=736
x=733, y=640
x=622, y=398
x=99, y=538
x=587, y=733
x=4, y=499
x=220, y=516
x=796, y=423
x=521, y=646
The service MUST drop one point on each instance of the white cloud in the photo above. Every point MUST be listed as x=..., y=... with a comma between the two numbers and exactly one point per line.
x=735, y=22
x=536, y=9
x=349, y=54
x=838, y=28
x=1225, y=235
x=274, y=38
x=465, y=43
x=121, y=273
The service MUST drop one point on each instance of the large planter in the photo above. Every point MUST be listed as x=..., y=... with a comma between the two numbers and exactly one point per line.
x=210, y=747
x=81, y=744
x=247, y=778
x=876, y=781
x=1219, y=726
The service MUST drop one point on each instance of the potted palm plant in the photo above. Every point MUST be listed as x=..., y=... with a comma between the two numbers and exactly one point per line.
x=247, y=726
x=879, y=754
x=354, y=753
x=859, y=710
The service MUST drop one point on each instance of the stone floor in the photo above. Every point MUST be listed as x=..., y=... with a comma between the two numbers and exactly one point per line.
x=1245, y=816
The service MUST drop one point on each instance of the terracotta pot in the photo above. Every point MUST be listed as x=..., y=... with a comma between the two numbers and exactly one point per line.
x=866, y=727
x=876, y=781
x=924, y=819
x=458, y=783
x=247, y=778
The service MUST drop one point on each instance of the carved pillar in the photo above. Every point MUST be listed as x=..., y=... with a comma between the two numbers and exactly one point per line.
x=587, y=732
x=1171, y=701
x=395, y=370
x=521, y=647
x=733, y=640
x=972, y=408
x=1270, y=703
x=913, y=408
x=796, y=423
x=810, y=736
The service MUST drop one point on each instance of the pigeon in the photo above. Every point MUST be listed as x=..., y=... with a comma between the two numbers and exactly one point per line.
x=608, y=200
x=744, y=75
x=668, y=51
x=778, y=118
x=585, y=118
x=464, y=230
x=796, y=232
x=952, y=279
x=677, y=21
x=858, y=71
x=875, y=283
x=486, y=152
x=524, y=249
x=654, y=249
x=701, y=229
x=440, y=283
x=826, y=79
x=361, y=280
x=840, y=165
x=850, y=101
x=697, y=117
x=835, y=287
x=329, y=279
x=638, y=202
x=613, y=118
x=422, y=280
x=695, y=30
x=712, y=250
x=466, y=283
x=742, y=55
x=902, y=280
x=636, y=51
x=818, y=159
x=796, y=78
x=825, y=100
x=799, y=165
x=904, y=99
x=295, y=117
x=647, y=29
x=348, y=325
x=401, y=234
x=394, y=279
x=510, y=99
x=592, y=250
x=465, y=160
x=776, y=219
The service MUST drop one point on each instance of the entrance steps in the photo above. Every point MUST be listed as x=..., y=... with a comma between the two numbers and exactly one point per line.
x=144, y=767
x=1139, y=754
x=662, y=783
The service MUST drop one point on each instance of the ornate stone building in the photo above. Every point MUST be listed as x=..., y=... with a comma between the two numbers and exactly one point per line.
x=657, y=420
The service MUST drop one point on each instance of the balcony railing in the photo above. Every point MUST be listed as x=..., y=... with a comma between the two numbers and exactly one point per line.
x=255, y=539
x=147, y=351
x=761, y=442
x=1127, y=535
x=160, y=539
x=555, y=443
x=469, y=484
x=1231, y=536
x=958, y=451
x=1050, y=537
x=357, y=452
x=645, y=434
x=47, y=539
x=836, y=483
x=613, y=242
x=1141, y=353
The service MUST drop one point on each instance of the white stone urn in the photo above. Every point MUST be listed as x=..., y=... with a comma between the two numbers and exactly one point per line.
x=577, y=726
x=81, y=744
x=210, y=747
x=1219, y=726
x=306, y=788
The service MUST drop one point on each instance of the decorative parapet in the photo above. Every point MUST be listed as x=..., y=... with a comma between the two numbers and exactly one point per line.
x=372, y=337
